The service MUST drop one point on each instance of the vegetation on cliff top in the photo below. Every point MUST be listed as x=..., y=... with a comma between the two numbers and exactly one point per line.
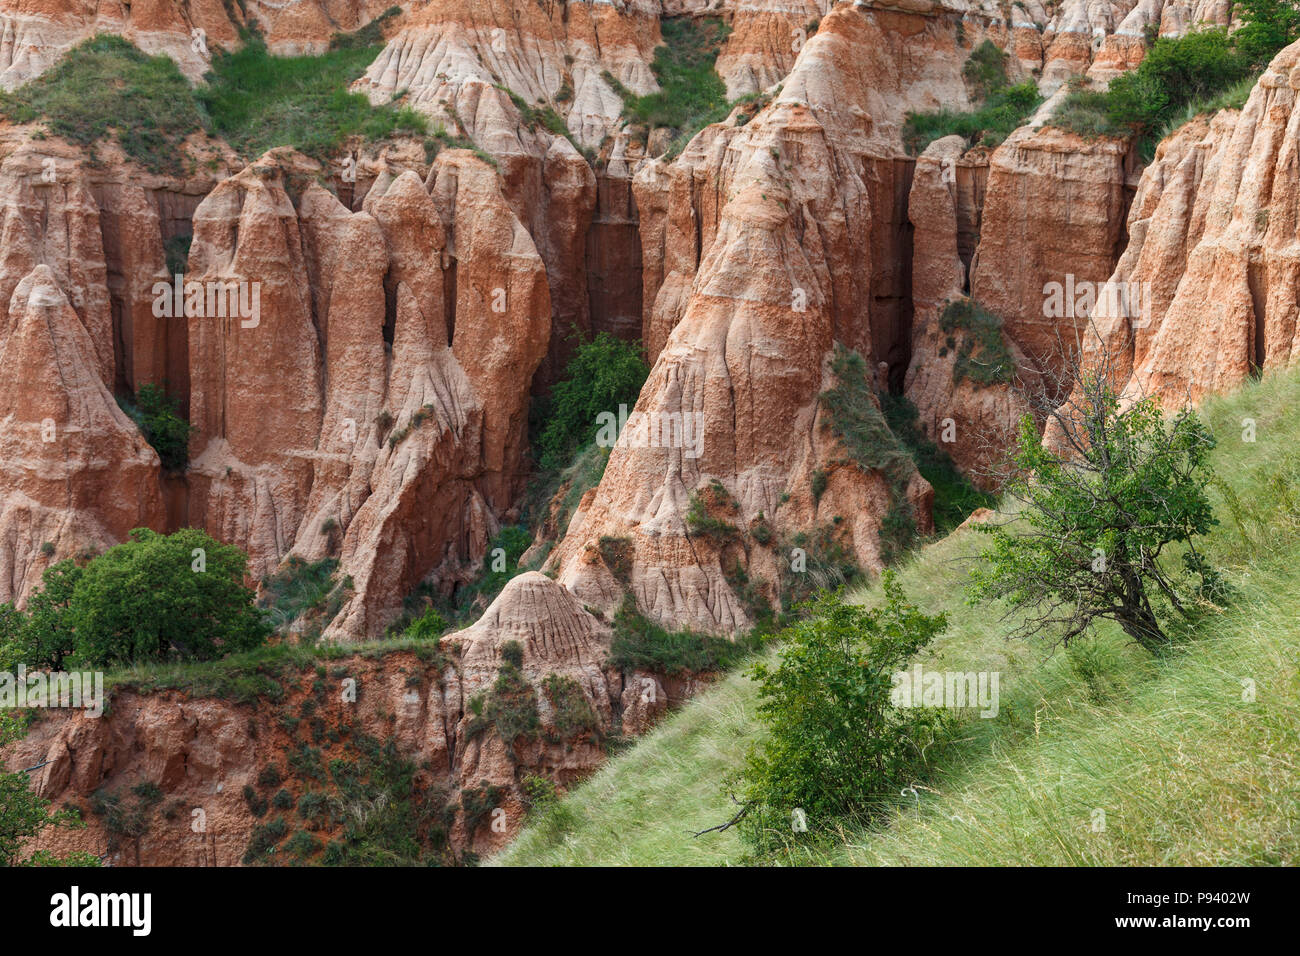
x=1181, y=77
x=152, y=598
x=1002, y=106
x=105, y=88
x=691, y=94
x=258, y=100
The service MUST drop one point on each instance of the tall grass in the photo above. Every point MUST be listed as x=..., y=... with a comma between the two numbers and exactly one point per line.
x=106, y=89
x=1099, y=755
x=258, y=101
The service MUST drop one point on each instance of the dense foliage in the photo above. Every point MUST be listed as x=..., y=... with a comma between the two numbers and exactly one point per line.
x=836, y=744
x=153, y=598
x=159, y=419
x=258, y=100
x=1180, y=76
x=602, y=375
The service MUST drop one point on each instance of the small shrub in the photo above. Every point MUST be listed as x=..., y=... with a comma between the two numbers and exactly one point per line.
x=617, y=555
x=160, y=421
x=602, y=375
x=982, y=355
x=985, y=70
x=511, y=705
x=269, y=776
x=574, y=715
x=428, y=626
x=303, y=845
x=1002, y=113
x=837, y=748
x=263, y=840
x=256, y=803
x=640, y=644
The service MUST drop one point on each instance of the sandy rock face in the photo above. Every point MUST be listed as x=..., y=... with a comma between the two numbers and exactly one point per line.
x=768, y=270
x=1212, y=258
x=374, y=409
x=255, y=370
x=50, y=217
x=95, y=232
x=78, y=474
x=972, y=423
x=1053, y=214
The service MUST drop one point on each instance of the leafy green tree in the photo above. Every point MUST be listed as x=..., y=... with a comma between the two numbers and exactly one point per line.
x=604, y=373
x=23, y=814
x=153, y=597
x=836, y=744
x=1267, y=27
x=1098, y=515
x=44, y=638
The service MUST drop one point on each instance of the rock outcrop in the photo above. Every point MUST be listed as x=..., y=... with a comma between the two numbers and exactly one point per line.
x=1207, y=288
x=78, y=474
x=374, y=408
x=972, y=423
x=753, y=270
x=1054, y=210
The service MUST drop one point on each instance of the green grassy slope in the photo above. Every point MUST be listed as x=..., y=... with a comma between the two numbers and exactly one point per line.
x=1184, y=769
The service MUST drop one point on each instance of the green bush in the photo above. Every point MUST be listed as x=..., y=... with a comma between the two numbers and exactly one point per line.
x=985, y=70
x=641, y=644
x=1097, y=522
x=511, y=705
x=1177, y=74
x=1004, y=111
x=1267, y=27
x=602, y=375
x=837, y=748
x=262, y=841
x=144, y=600
x=106, y=88
x=574, y=715
x=428, y=626
x=160, y=421
x=23, y=814
x=982, y=354
x=855, y=418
